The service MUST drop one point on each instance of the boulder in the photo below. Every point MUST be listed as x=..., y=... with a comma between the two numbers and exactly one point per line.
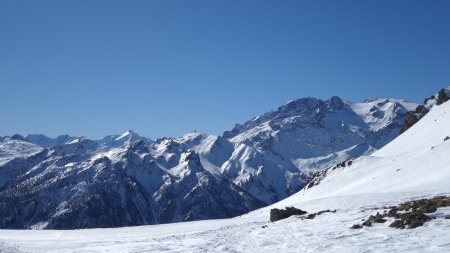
x=279, y=214
x=356, y=226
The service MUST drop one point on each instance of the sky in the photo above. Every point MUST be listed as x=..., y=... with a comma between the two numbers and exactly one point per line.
x=164, y=68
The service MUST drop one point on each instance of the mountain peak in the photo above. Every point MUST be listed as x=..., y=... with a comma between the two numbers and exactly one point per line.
x=336, y=103
x=18, y=137
x=127, y=133
x=298, y=103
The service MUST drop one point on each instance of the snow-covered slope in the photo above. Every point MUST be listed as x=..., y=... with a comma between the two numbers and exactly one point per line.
x=415, y=165
x=15, y=148
x=416, y=161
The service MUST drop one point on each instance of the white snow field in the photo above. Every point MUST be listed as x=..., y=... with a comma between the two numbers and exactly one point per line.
x=413, y=166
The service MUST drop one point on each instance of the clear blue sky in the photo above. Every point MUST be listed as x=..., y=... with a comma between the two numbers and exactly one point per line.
x=163, y=68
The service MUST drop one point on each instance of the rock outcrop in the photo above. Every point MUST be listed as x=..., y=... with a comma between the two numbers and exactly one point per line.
x=280, y=214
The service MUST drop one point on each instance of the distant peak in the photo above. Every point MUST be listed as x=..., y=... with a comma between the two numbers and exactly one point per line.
x=336, y=103
x=298, y=103
x=126, y=134
x=129, y=131
x=18, y=137
x=369, y=100
x=336, y=100
x=78, y=140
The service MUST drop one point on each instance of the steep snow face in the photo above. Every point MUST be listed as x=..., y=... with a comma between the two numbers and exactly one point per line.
x=416, y=161
x=275, y=154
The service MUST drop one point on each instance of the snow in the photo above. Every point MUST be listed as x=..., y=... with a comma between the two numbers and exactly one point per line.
x=326, y=233
x=126, y=135
x=370, y=111
x=11, y=149
x=415, y=165
x=417, y=160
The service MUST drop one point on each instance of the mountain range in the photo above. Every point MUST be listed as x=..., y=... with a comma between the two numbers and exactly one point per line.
x=396, y=198
x=125, y=180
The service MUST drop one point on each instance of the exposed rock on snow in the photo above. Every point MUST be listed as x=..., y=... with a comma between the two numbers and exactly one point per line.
x=411, y=214
x=313, y=215
x=414, y=116
x=279, y=214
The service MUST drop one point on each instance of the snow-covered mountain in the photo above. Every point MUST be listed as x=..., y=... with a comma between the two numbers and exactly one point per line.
x=127, y=179
x=276, y=153
x=47, y=142
x=414, y=166
x=125, y=138
x=81, y=185
x=416, y=161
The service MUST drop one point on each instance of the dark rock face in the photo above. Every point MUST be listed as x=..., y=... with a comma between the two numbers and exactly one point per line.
x=279, y=214
x=442, y=97
x=414, y=116
x=410, y=120
x=320, y=175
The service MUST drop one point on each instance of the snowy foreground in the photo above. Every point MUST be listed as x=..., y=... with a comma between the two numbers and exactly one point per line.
x=327, y=232
x=415, y=165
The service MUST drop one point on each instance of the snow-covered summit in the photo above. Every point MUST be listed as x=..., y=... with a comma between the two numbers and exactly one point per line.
x=125, y=138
